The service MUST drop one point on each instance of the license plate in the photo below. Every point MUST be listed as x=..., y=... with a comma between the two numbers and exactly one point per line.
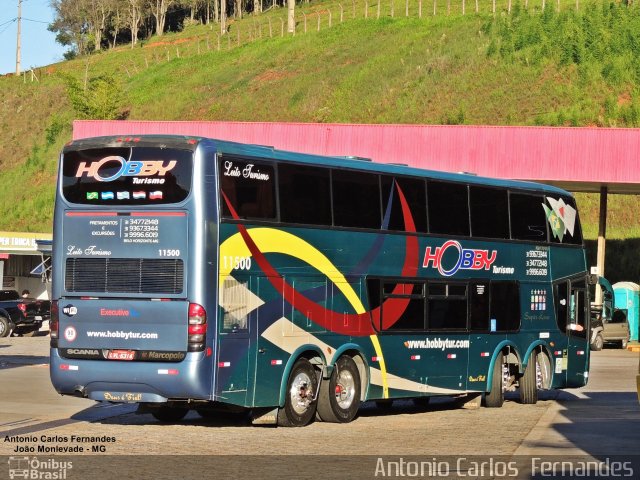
x=121, y=355
x=38, y=317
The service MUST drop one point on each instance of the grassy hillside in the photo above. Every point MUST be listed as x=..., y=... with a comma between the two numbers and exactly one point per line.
x=526, y=67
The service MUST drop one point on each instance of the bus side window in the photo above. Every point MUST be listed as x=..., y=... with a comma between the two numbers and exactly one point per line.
x=236, y=302
x=528, y=219
x=413, y=316
x=249, y=187
x=448, y=208
x=447, y=306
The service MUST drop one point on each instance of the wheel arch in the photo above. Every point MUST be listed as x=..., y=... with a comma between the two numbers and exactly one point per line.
x=510, y=350
x=313, y=353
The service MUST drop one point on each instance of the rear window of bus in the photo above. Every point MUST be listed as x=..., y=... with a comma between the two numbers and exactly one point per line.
x=126, y=176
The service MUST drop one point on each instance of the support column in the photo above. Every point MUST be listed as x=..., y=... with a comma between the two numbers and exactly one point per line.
x=602, y=237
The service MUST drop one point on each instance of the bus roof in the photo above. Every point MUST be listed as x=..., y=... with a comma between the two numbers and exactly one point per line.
x=268, y=152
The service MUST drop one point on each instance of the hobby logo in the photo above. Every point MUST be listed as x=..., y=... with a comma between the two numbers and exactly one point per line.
x=467, y=258
x=126, y=168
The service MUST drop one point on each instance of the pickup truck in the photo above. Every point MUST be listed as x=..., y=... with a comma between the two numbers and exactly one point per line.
x=21, y=316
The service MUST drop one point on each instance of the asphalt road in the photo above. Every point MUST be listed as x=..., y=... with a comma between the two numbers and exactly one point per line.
x=599, y=421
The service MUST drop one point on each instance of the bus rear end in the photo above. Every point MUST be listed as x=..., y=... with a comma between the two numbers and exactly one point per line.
x=126, y=324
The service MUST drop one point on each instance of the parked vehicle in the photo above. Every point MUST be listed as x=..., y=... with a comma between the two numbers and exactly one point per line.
x=601, y=313
x=616, y=329
x=19, y=316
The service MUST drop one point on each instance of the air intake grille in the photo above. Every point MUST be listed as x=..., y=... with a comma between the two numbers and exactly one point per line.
x=124, y=275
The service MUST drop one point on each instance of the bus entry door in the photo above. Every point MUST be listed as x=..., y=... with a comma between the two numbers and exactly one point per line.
x=237, y=309
x=578, y=333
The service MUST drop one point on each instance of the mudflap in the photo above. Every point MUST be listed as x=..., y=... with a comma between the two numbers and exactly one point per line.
x=264, y=416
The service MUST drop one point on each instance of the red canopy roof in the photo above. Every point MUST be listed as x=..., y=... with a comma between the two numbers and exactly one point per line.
x=578, y=159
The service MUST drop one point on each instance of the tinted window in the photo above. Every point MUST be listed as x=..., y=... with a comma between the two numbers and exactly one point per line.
x=505, y=306
x=356, y=199
x=405, y=298
x=249, y=186
x=126, y=176
x=447, y=307
x=489, y=212
x=562, y=216
x=479, y=295
x=528, y=218
x=448, y=208
x=305, y=194
x=414, y=193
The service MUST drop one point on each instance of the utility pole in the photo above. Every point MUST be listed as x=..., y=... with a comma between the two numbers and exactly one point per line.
x=18, y=40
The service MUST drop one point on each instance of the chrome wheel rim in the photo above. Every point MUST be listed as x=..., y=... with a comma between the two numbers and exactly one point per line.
x=345, y=390
x=301, y=393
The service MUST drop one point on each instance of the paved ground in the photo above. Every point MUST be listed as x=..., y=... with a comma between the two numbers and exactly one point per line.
x=598, y=420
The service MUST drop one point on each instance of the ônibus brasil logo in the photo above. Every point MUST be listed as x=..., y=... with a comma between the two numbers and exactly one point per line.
x=127, y=168
x=467, y=258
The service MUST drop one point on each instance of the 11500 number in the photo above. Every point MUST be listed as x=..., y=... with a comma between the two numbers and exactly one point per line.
x=168, y=252
x=236, y=263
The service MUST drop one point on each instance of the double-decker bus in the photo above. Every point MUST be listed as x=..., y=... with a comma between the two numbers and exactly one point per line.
x=197, y=274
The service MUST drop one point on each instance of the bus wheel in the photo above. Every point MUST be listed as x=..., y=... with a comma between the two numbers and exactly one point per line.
x=529, y=381
x=169, y=414
x=495, y=398
x=299, y=404
x=4, y=327
x=339, y=398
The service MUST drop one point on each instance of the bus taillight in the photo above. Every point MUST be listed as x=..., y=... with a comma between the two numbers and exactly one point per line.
x=197, y=327
x=54, y=323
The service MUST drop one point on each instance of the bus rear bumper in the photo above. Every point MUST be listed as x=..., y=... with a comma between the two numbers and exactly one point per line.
x=139, y=382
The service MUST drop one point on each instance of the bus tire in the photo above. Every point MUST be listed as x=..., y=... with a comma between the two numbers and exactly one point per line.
x=169, y=414
x=598, y=343
x=339, y=398
x=495, y=398
x=529, y=381
x=5, y=329
x=299, y=403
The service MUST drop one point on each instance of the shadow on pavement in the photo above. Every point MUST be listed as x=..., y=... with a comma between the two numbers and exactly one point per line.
x=14, y=361
x=600, y=422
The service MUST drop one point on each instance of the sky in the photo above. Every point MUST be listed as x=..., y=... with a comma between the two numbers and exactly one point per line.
x=38, y=45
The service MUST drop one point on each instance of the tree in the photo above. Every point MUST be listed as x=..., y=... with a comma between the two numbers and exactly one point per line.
x=134, y=19
x=118, y=18
x=291, y=17
x=100, y=99
x=159, y=11
x=97, y=12
x=70, y=25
